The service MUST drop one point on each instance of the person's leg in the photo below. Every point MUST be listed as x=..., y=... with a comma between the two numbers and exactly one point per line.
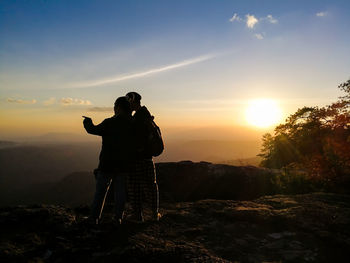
x=134, y=189
x=103, y=181
x=151, y=187
x=119, y=184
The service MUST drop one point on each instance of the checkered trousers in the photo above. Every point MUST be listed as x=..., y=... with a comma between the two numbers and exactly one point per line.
x=143, y=187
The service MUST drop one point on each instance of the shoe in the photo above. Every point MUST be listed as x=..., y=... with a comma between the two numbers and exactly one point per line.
x=157, y=217
x=139, y=217
x=117, y=222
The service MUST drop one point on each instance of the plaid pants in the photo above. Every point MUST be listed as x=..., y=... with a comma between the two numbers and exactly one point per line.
x=142, y=186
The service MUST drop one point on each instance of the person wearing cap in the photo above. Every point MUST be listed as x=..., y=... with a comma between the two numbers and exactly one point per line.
x=114, y=160
x=142, y=182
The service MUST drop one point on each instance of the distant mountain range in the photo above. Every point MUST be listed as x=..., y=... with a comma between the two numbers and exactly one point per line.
x=7, y=144
x=32, y=170
x=59, y=137
x=50, y=160
x=178, y=181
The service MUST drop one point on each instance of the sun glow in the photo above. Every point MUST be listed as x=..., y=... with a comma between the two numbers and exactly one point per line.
x=263, y=113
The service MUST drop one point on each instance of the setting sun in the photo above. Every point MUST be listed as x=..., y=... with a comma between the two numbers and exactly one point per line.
x=263, y=113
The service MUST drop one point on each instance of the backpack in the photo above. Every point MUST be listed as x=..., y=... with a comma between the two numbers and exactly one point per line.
x=155, y=145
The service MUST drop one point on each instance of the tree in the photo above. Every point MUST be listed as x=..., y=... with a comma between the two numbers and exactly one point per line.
x=314, y=139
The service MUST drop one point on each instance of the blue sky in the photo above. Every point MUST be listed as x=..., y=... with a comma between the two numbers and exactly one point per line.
x=194, y=62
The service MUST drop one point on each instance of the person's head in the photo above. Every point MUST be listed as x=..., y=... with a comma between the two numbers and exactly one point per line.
x=135, y=100
x=122, y=105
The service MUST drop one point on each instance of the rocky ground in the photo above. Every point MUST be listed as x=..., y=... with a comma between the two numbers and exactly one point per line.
x=280, y=228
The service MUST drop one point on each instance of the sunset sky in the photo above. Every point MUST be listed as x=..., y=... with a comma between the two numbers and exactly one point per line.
x=196, y=63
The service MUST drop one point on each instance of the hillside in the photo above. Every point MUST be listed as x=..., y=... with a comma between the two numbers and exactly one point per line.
x=178, y=181
x=51, y=159
x=301, y=228
x=27, y=164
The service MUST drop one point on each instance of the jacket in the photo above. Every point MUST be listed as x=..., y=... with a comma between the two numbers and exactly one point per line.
x=117, y=134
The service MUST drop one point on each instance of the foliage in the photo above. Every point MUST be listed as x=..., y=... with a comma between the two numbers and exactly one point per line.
x=314, y=140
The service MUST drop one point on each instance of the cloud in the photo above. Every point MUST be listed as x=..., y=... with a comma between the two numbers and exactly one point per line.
x=271, y=19
x=235, y=17
x=49, y=102
x=146, y=73
x=321, y=14
x=251, y=21
x=258, y=36
x=101, y=109
x=20, y=101
x=71, y=101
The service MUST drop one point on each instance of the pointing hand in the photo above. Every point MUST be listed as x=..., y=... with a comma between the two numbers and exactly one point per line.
x=87, y=119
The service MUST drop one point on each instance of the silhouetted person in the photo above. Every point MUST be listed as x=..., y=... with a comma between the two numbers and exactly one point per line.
x=142, y=183
x=114, y=158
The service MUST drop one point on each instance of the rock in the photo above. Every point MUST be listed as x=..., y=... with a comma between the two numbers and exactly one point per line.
x=47, y=254
x=280, y=235
x=280, y=228
x=189, y=181
x=276, y=235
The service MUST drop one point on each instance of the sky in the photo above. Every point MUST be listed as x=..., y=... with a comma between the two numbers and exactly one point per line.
x=195, y=63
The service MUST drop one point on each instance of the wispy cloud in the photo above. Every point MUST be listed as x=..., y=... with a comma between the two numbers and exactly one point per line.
x=71, y=101
x=101, y=109
x=271, y=19
x=322, y=14
x=258, y=36
x=235, y=17
x=49, y=101
x=20, y=101
x=251, y=21
x=146, y=73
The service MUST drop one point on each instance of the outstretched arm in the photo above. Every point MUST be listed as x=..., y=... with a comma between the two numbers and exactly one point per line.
x=94, y=129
